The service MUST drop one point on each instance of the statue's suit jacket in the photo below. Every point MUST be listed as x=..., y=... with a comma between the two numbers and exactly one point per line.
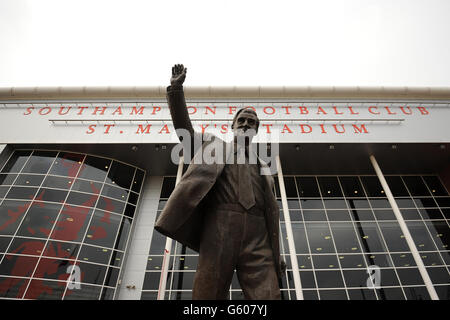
x=182, y=216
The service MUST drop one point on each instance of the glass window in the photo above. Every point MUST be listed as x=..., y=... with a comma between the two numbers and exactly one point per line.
x=55, y=269
x=307, y=279
x=416, y=186
x=416, y=293
x=112, y=276
x=29, y=180
x=361, y=294
x=39, y=219
x=167, y=187
x=17, y=160
x=57, y=249
x=298, y=230
x=371, y=238
x=329, y=279
x=103, y=229
x=24, y=193
x=11, y=214
x=352, y=261
x=435, y=186
x=137, y=182
x=7, y=179
x=17, y=265
x=108, y=204
x=403, y=259
x=345, y=237
x=85, y=292
x=425, y=202
x=3, y=191
x=115, y=193
x=92, y=273
x=333, y=295
x=356, y=278
x=388, y=278
x=352, y=187
x=409, y=276
x=72, y=223
x=380, y=203
x=94, y=254
x=329, y=186
x=304, y=261
x=314, y=215
x=87, y=186
x=443, y=202
x=311, y=203
x=438, y=275
x=120, y=174
x=381, y=260
x=129, y=210
x=133, y=198
x=58, y=182
x=396, y=185
x=12, y=287
x=116, y=259
x=420, y=236
x=335, y=204
x=394, y=237
x=124, y=231
x=291, y=190
x=45, y=290
x=428, y=214
x=432, y=258
x=183, y=280
x=4, y=243
x=440, y=233
x=151, y=280
x=319, y=236
x=326, y=261
x=307, y=187
x=338, y=215
x=39, y=162
x=372, y=186
x=94, y=168
x=67, y=164
x=384, y=214
x=51, y=195
x=82, y=199
x=390, y=294
x=410, y=214
x=26, y=246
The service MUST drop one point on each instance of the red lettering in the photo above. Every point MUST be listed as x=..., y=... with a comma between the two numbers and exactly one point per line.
x=119, y=110
x=61, y=110
x=102, y=112
x=108, y=126
x=373, y=107
x=351, y=110
x=91, y=129
x=302, y=126
x=204, y=128
x=81, y=109
x=389, y=111
x=337, y=131
x=336, y=111
x=268, y=126
x=145, y=130
x=165, y=128
x=29, y=110
x=136, y=111
x=211, y=110
x=287, y=108
x=156, y=109
x=191, y=107
x=303, y=110
x=265, y=108
x=361, y=129
x=224, y=128
x=285, y=127
x=45, y=108
x=320, y=110
x=231, y=109
x=323, y=128
x=423, y=110
x=403, y=110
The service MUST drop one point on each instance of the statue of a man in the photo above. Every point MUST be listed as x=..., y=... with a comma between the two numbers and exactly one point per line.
x=225, y=210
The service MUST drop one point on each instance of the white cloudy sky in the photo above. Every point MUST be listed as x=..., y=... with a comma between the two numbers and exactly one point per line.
x=225, y=42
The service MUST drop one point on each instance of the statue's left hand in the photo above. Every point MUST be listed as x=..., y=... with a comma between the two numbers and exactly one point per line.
x=178, y=75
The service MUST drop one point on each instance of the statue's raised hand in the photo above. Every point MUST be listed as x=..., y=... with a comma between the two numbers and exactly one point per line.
x=178, y=75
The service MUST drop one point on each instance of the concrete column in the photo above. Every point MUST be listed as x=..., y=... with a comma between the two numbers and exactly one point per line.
x=133, y=270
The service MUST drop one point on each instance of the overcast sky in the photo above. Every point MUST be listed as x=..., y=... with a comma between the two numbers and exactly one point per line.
x=225, y=43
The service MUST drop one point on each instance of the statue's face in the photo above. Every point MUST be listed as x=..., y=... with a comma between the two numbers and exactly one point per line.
x=244, y=122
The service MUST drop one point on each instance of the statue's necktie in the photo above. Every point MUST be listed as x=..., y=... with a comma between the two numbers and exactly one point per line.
x=246, y=195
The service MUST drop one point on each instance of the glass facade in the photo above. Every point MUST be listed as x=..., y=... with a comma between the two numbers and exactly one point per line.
x=342, y=226
x=59, y=210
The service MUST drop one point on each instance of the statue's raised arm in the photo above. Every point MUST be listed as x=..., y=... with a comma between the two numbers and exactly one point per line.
x=177, y=102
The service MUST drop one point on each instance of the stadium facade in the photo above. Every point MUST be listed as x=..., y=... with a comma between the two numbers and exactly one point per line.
x=362, y=180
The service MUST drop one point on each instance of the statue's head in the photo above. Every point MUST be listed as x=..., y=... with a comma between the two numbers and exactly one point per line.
x=245, y=122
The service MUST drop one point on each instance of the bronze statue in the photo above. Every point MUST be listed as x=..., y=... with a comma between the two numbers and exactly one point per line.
x=225, y=210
